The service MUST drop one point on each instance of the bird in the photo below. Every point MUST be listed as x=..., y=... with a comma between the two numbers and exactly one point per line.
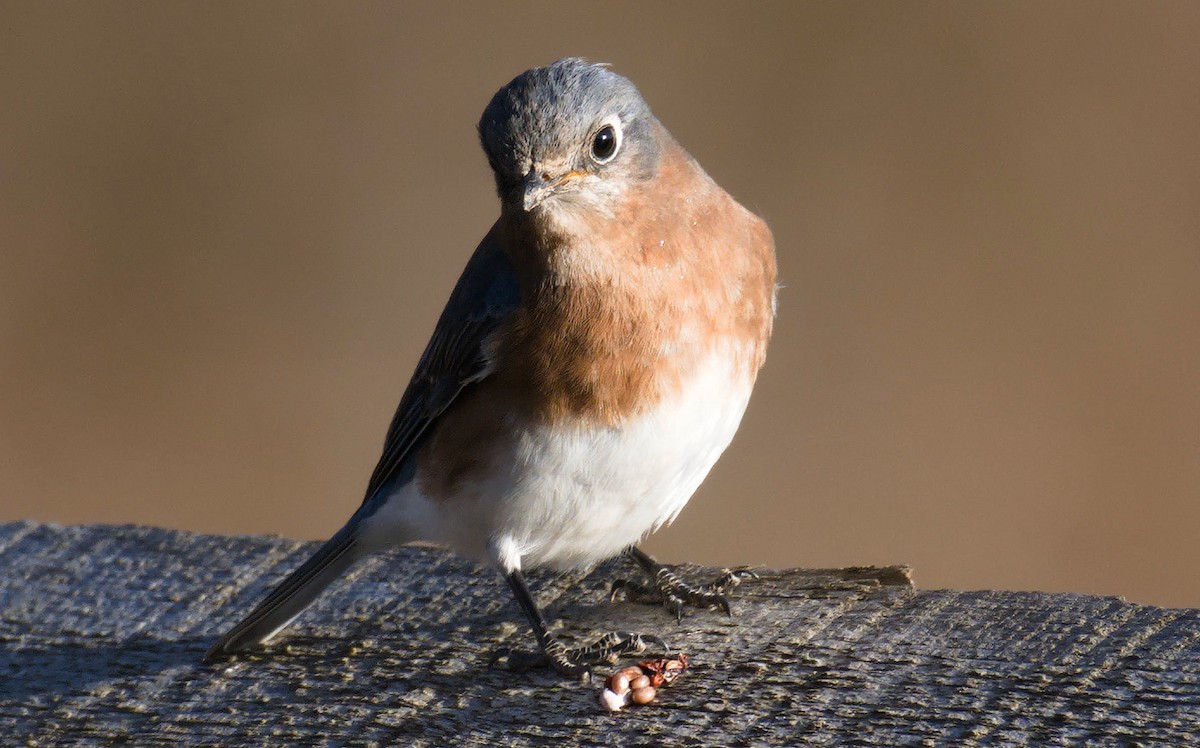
x=593, y=361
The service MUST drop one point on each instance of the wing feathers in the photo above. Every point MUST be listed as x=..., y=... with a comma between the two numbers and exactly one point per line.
x=485, y=296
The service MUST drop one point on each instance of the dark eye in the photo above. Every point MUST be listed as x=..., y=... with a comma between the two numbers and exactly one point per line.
x=604, y=144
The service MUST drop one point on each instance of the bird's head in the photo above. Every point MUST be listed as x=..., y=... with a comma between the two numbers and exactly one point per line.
x=569, y=136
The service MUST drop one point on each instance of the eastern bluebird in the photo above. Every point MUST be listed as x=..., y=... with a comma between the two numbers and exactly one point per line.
x=592, y=363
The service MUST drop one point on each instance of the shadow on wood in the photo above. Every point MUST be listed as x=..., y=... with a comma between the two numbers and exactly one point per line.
x=102, y=630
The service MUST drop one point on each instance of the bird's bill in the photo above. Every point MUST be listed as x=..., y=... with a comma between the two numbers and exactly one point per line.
x=539, y=186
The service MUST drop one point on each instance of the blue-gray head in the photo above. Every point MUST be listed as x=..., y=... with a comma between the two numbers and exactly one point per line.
x=568, y=133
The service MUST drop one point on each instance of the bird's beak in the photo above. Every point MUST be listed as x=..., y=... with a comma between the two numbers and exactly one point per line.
x=540, y=185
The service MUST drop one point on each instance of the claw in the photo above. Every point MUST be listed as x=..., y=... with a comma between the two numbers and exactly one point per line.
x=734, y=577
x=615, y=589
x=674, y=604
x=722, y=602
x=519, y=661
x=569, y=662
x=669, y=590
x=635, y=592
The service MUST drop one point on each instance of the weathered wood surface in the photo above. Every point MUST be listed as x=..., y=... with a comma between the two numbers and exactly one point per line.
x=102, y=630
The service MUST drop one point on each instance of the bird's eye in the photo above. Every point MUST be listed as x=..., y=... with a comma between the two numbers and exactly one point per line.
x=605, y=143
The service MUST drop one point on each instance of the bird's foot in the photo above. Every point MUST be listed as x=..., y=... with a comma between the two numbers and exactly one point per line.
x=573, y=662
x=673, y=593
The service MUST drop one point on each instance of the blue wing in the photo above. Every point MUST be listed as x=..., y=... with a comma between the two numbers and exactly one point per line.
x=485, y=296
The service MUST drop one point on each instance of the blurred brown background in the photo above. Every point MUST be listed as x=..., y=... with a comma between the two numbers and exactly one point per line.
x=227, y=230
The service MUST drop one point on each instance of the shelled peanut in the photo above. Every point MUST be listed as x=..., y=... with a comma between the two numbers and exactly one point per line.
x=639, y=684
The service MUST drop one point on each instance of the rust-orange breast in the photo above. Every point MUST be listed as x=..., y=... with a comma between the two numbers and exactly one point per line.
x=670, y=279
x=680, y=271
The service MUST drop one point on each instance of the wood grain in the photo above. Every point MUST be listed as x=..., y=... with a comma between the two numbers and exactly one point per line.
x=102, y=629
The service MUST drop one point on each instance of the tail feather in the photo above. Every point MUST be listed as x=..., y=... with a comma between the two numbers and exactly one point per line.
x=292, y=596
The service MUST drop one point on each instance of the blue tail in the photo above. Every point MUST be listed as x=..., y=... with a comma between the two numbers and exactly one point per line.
x=294, y=594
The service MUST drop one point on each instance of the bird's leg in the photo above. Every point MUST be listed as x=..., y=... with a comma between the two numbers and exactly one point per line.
x=668, y=590
x=566, y=660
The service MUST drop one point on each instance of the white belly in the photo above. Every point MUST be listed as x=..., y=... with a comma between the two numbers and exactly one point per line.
x=582, y=495
x=572, y=496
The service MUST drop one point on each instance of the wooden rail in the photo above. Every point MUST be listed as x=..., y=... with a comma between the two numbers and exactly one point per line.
x=102, y=630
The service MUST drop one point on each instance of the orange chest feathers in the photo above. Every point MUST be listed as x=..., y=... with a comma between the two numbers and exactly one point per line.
x=610, y=337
